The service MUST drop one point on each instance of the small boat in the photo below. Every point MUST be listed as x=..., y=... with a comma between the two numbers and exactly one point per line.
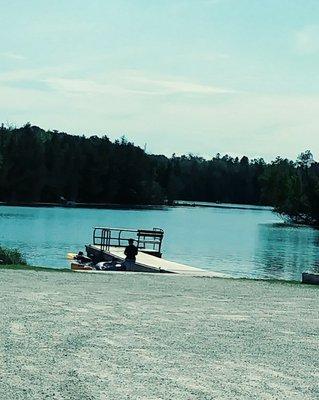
x=76, y=266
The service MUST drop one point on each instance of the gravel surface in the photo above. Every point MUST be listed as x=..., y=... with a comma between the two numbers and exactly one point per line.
x=144, y=336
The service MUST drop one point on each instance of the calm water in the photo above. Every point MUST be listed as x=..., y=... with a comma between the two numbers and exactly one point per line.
x=242, y=243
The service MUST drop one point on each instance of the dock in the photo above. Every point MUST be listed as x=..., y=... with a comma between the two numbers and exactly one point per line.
x=110, y=243
x=149, y=263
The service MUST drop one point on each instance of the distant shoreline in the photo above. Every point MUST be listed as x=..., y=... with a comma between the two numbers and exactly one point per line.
x=81, y=205
x=178, y=203
x=185, y=203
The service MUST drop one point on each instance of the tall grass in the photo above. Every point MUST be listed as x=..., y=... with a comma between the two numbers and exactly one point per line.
x=11, y=256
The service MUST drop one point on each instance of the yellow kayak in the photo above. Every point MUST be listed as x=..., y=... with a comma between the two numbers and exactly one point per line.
x=70, y=256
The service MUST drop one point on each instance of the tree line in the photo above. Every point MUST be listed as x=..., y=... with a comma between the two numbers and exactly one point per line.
x=51, y=166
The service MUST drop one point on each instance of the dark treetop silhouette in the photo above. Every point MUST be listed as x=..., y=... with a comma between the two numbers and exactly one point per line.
x=45, y=166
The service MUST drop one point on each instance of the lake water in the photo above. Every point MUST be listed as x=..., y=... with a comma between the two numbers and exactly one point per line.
x=241, y=243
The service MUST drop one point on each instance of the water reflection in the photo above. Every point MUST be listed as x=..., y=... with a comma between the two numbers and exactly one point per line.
x=285, y=251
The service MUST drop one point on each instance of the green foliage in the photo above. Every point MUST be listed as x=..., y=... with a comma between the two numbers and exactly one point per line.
x=11, y=257
x=52, y=166
x=293, y=188
x=25, y=267
x=47, y=166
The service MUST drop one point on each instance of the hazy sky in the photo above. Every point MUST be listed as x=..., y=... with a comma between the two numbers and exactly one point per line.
x=201, y=76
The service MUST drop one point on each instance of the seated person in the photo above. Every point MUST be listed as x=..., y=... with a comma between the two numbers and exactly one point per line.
x=131, y=252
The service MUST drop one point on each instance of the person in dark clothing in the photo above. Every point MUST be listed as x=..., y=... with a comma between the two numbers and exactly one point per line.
x=131, y=253
x=82, y=258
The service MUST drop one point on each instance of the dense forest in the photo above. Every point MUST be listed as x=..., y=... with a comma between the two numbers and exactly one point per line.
x=52, y=166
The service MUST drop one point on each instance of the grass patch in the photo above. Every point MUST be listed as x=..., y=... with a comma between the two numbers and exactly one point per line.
x=32, y=268
x=14, y=260
x=11, y=257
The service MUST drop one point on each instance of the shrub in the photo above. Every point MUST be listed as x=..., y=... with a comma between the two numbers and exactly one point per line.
x=11, y=256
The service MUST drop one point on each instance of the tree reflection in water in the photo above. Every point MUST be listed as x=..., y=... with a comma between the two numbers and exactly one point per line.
x=285, y=251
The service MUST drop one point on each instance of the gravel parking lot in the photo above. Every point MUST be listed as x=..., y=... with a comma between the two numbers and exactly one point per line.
x=146, y=336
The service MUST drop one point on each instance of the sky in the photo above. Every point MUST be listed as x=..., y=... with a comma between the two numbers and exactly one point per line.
x=179, y=76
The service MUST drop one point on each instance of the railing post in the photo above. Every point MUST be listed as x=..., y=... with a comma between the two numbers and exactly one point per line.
x=145, y=239
x=108, y=239
x=94, y=241
x=102, y=239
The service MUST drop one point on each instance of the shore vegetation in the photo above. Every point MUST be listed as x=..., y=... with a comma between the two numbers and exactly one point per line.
x=55, y=167
x=11, y=257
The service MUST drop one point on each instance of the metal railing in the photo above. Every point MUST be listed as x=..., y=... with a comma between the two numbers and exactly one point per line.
x=144, y=239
